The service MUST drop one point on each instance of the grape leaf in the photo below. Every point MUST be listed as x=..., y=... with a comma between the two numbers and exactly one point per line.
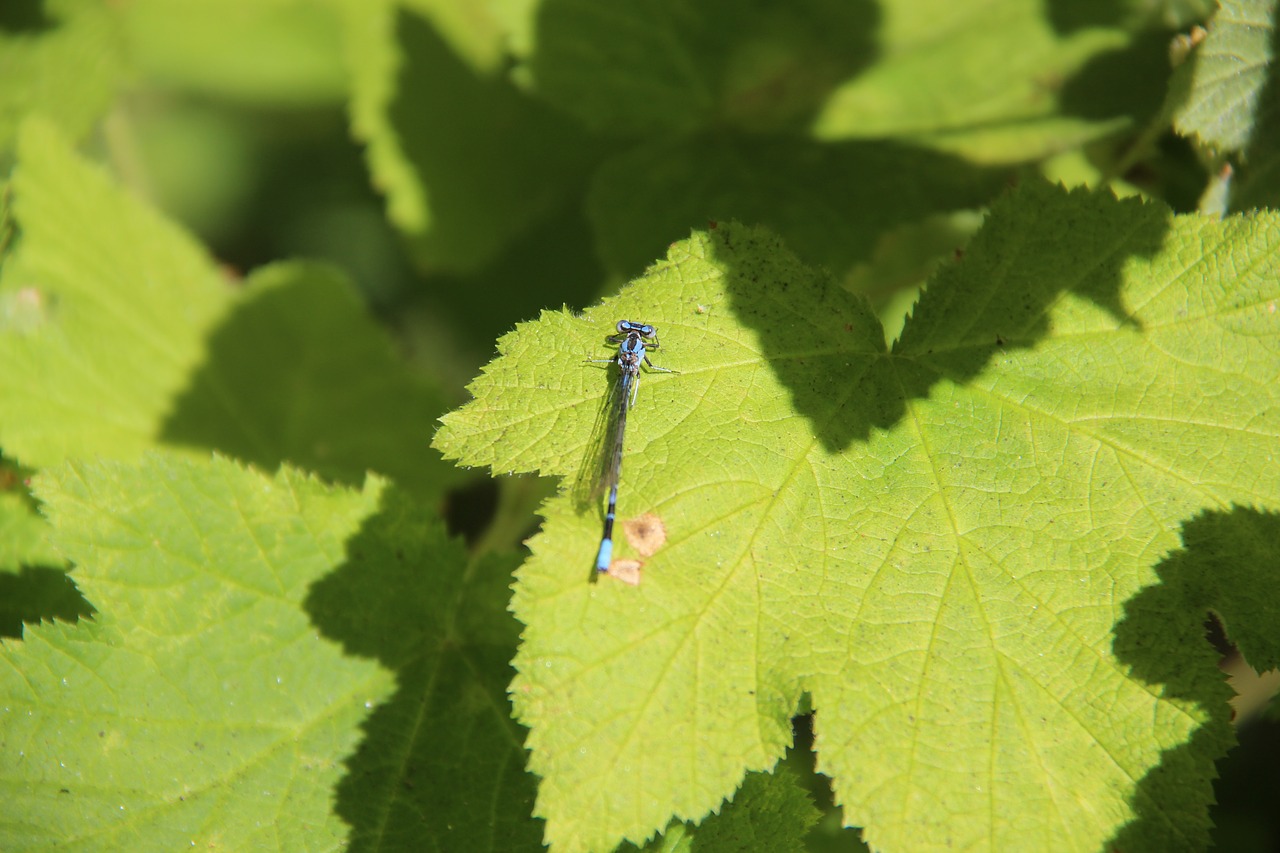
x=118, y=332
x=934, y=542
x=274, y=664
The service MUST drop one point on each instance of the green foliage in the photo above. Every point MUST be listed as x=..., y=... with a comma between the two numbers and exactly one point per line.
x=955, y=464
x=457, y=189
x=130, y=336
x=240, y=645
x=1228, y=75
x=770, y=812
x=933, y=542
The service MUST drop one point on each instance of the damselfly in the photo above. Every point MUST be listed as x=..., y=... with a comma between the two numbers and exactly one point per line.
x=634, y=340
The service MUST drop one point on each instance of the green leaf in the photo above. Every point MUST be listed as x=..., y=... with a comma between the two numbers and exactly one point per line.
x=1227, y=75
x=997, y=83
x=441, y=765
x=934, y=543
x=298, y=372
x=118, y=332
x=1000, y=82
x=468, y=162
x=274, y=664
x=63, y=59
x=199, y=701
x=33, y=581
x=115, y=303
x=1256, y=182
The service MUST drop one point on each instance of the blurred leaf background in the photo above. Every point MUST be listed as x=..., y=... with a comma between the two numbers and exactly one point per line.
x=468, y=164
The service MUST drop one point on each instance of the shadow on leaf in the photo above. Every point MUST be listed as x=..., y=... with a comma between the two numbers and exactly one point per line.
x=297, y=372
x=1039, y=243
x=1229, y=565
x=441, y=764
x=38, y=594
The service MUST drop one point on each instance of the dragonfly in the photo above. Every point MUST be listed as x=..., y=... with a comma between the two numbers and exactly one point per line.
x=634, y=341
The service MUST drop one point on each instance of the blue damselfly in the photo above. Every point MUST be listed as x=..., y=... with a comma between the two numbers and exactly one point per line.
x=634, y=340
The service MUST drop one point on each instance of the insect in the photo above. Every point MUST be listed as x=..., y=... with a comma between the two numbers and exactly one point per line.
x=634, y=341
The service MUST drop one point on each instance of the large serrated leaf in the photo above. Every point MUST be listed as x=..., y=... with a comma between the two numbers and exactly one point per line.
x=274, y=664
x=199, y=701
x=935, y=543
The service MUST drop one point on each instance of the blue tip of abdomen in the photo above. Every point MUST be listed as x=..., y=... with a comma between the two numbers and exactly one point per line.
x=605, y=556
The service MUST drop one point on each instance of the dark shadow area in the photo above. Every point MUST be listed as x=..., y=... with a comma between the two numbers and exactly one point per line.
x=298, y=373
x=1229, y=566
x=1246, y=814
x=635, y=69
x=830, y=835
x=1070, y=16
x=1174, y=172
x=469, y=509
x=823, y=344
x=307, y=193
x=1128, y=82
x=502, y=177
x=827, y=348
x=830, y=201
x=555, y=256
x=27, y=17
x=719, y=110
x=37, y=594
x=441, y=763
